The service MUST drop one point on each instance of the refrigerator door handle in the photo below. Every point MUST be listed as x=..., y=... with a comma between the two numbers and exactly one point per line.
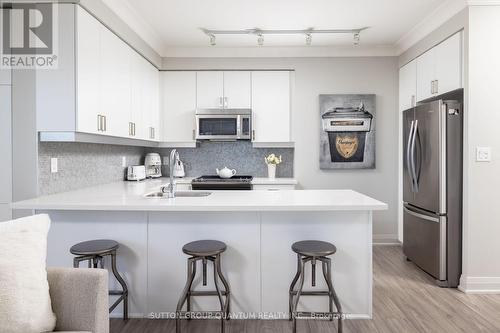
x=408, y=158
x=413, y=167
x=421, y=216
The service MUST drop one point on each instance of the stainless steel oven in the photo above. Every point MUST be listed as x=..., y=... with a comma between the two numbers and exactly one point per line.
x=223, y=124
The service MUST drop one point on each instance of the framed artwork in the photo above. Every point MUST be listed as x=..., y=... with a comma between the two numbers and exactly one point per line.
x=347, y=136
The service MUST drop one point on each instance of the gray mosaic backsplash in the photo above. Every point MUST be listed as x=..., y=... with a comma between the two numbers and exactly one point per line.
x=85, y=164
x=82, y=165
x=239, y=155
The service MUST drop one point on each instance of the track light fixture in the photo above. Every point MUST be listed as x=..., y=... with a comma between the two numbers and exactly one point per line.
x=260, y=33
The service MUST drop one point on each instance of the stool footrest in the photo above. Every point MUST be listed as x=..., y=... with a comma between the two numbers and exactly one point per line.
x=207, y=293
x=311, y=293
x=117, y=292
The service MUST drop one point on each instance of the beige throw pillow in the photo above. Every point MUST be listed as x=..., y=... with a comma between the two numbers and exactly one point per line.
x=25, y=305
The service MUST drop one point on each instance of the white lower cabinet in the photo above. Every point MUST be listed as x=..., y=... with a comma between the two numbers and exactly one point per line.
x=271, y=106
x=5, y=212
x=178, y=105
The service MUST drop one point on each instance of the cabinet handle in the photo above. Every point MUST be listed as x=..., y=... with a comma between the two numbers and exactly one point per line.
x=194, y=134
x=436, y=86
x=130, y=129
x=413, y=101
x=133, y=127
x=220, y=102
x=225, y=102
x=105, y=125
x=98, y=122
x=253, y=135
x=153, y=129
x=432, y=87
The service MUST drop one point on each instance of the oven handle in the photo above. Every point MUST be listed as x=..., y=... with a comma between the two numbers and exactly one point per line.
x=408, y=162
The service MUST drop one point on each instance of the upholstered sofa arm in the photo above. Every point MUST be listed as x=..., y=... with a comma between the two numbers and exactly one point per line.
x=79, y=299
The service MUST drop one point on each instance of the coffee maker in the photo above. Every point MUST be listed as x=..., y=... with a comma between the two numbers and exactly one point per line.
x=152, y=162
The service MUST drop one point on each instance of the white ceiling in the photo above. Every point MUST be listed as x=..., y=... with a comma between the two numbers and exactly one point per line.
x=172, y=24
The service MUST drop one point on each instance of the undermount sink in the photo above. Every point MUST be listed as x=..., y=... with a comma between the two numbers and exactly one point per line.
x=185, y=194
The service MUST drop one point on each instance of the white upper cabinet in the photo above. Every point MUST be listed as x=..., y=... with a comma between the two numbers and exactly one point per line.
x=271, y=106
x=209, y=90
x=178, y=105
x=88, y=73
x=151, y=102
x=408, y=86
x=117, y=89
x=228, y=90
x=439, y=70
x=449, y=64
x=115, y=83
x=237, y=90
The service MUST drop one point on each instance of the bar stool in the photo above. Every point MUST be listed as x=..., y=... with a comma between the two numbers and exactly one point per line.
x=204, y=250
x=94, y=252
x=312, y=251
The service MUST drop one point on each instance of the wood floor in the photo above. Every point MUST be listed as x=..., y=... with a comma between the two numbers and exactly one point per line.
x=405, y=300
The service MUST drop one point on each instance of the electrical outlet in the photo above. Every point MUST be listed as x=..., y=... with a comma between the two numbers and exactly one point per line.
x=53, y=165
x=483, y=154
x=124, y=161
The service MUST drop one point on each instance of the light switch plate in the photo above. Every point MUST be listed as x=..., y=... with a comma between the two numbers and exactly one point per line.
x=53, y=165
x=483, y=154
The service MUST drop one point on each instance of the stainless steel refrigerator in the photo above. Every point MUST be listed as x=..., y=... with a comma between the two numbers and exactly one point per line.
x=432, y=188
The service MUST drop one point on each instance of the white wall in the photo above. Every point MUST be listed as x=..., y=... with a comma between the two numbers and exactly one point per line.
x=481, y=269
x=314, y=76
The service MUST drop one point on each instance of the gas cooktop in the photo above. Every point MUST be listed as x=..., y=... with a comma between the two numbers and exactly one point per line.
x=216, y=183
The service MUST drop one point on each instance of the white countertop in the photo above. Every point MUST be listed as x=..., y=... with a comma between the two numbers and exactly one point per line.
x=129, y=196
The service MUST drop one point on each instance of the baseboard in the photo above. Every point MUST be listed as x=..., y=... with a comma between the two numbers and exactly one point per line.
x=480, y=284
x=385, y=239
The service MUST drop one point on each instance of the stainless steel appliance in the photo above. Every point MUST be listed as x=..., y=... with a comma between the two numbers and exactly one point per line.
x=217, y=183
x=347, y=128
x=223, y=124
x=432, y=187
x=136, y=172
x=152, y=162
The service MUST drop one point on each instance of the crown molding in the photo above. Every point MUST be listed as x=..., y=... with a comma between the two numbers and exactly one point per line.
x=483, y=2
x=431, y=22
x=278, y=51
x=127, y=14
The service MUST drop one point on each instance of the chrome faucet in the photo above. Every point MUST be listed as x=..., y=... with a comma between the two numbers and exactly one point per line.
x=170, y=189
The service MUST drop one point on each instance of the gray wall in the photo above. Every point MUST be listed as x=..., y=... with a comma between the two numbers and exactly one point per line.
x=82, y=165
x=240, y=156
x=314, y=76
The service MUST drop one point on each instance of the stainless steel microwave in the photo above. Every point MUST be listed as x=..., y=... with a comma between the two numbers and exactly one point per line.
x=223, y=124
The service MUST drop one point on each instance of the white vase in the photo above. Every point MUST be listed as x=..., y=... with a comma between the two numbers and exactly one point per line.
x=271, y=171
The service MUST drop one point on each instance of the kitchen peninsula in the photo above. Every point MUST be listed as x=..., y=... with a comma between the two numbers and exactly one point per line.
x=258, y=227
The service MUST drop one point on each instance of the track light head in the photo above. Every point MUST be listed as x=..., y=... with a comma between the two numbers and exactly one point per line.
x=356, y=38
x=212, y=39
x=308, y=39
x=260, y=39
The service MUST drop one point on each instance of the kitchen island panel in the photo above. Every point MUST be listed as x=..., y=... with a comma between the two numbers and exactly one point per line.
x=350, y=232
x=167, y=272
x=127, y=228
